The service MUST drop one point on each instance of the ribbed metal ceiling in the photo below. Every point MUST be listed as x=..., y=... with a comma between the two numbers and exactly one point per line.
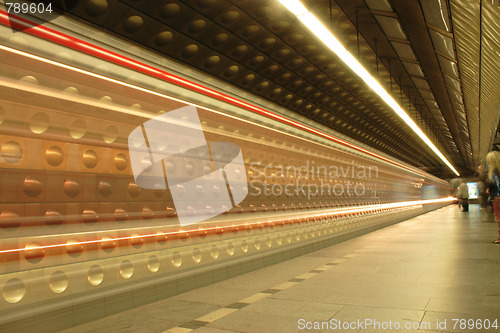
x=475, y=21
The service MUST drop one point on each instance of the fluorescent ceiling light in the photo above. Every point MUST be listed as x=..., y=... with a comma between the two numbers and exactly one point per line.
x=318, y=29
x=295, y=6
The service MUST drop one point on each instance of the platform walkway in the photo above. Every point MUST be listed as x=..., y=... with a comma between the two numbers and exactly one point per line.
x=431, y=269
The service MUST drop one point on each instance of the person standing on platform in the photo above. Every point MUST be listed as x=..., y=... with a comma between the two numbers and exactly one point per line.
x=463, y=195
x=493, y=159
x=482, y=186
x=483, y=196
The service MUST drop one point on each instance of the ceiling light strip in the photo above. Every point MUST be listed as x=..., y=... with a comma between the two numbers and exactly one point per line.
x=74, y=43
x=320, y=31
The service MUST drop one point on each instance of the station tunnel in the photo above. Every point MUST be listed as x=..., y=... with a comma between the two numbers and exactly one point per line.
x=249, y=165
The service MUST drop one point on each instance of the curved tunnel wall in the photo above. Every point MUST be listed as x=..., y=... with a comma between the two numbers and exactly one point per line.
x=80, y=239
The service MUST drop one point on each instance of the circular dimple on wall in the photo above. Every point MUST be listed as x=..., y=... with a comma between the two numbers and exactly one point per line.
x=136, y=240
x=78, y=129
x=39, y=122
x=197, y=26
x=11, y=152
x=133, y=189
x=197, y=255
x=268, y=42
x=212, y=61
x=29, y=79
x=230, y=16
x=53, y=217
x=105, y=188
x=54, y=155
x=262, y=86
x=250, y=30
x=108, y=244
x=110, y=134
x=32, y=186
x=190, y=168
x=120, y=214
x=248, y=79
x=90, y=159
x=89, y=216
x=133, y=24
x=214, y=252
x=95, y=275
x=189, y=51
x=169, y=10
x=126, y=269
x=14, y=290
x=244, y=246
x=176, y=259
x=153, y=264
x=58, y=282
x=74, y=247
x=9, y=220
x=96, y=7
x=120, y=161
x=240, y=50
x=71, y=187
x=220, y=39
x=33, y=252
x=230, y=248
x=71, y=91
x=280, y=25
x=231, y=71
x=163, y=38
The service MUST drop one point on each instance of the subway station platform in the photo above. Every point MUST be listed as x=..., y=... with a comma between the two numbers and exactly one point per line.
x=431, y=273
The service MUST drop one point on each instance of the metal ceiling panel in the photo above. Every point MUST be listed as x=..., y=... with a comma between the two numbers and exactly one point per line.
x=432, y=104
x=404, y=51
x=419, y=29
x=391, y=26
x=436, y=13
x=449, y=67
x=427, y=94
x=413, y=69
x=452, y=83
x=421, y=83
x=382, y=5
x=443, y=44
x=477, y=35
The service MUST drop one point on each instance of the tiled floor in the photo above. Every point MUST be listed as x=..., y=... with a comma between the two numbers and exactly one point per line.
x=436, y=268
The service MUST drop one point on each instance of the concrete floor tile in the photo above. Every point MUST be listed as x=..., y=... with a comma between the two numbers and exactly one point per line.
x=451, y=322
x=377, y=300
x=213, y=330
x=219, y=296
x=216, y=315
x=256, y=322
x=477, y=308
x=378, y=319
x=298, y=309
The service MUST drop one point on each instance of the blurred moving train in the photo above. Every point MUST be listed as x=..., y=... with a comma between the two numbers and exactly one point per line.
x=81, y=239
